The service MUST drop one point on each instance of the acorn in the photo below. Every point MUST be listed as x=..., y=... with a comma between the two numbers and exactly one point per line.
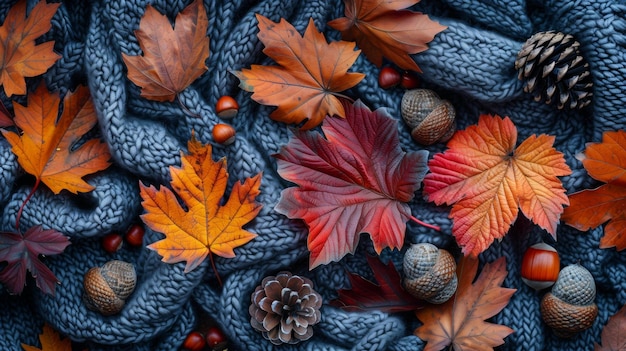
x=540, y=266
x=226, y=107
x=429, y=273
x=108, y=287
x=194, y=341
x=430, y=118
x=388, y=77
x=134, y=234
x=223, y=133
x=570, y=307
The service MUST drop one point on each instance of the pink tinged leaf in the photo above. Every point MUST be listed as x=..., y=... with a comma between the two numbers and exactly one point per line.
x=356, y=180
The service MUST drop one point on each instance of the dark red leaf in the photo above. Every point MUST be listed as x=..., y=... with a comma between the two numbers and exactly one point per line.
x=5, y=117
x=386, y=295
x=21, y=252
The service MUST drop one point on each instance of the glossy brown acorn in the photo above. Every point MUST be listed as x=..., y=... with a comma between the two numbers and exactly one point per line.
x=224, y=133
x=540, y=266
x=226, y=107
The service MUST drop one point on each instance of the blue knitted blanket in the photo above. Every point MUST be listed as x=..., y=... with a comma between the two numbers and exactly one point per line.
x=471, y=64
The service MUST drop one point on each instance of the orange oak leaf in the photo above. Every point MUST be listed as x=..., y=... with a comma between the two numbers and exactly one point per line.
x=205, y=226
x=487, y=180
x=354, y=179
x=47, y=149
x=384, y=28
x=460, y=321
x=613, y=336
x=310, y=74
x=606, y=162
x=172, y=57
x=20, y=57
x=50, y=341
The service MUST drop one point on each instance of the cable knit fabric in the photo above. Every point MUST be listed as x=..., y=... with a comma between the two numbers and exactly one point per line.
x=471, y=64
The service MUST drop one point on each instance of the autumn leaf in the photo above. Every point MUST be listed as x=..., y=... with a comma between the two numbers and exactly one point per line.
x=5, y=117
x=50, y=341
x=47, y=149
x=355, y=180
x=205, y=226
x=21, y=252
x=172, y=57
x=20, y=57
x=487, y=181
x=383, y=28
x=386, y=295
x=311, y=73
x=460, y=321
x=606, y=162
x=613, y=336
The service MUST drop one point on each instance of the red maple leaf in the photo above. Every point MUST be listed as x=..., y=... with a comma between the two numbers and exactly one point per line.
x=355, y=180
x=21, y=252
x=387, y=294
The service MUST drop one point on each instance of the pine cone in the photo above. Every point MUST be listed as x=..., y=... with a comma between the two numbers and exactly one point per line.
x=554, y=70
x=285, y=308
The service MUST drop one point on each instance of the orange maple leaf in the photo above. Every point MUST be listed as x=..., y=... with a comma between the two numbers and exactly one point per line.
x=386, y=29
x=50, y=341
x=47, y=146
x=20, y=57
x=311, y=73
x=461, y=320
x=488, y=181
x=606, y=162
x=173, y=57
x=613, y=336
x=205, y=227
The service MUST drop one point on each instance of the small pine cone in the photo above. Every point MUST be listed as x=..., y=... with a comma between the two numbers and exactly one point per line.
x=554, y=70
x=285, y=308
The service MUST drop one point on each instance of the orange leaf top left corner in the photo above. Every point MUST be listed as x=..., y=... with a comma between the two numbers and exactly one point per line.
x=46, y=148
x=20, y=57
x=204, y=226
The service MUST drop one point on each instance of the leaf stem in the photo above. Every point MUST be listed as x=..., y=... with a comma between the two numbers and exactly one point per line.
x=19, y=212
x=422, y=223
x=184, y=108
x=217, y=275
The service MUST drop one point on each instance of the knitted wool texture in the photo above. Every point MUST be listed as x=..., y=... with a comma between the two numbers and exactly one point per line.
x=471, y=64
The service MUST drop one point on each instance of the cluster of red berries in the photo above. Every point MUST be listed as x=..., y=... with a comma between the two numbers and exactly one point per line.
x=211, y=340
x=133, y=236
x=389, y=77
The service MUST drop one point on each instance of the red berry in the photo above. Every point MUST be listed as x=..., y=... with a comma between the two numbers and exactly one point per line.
x=112, y=242
x=409, y=80
x=134, y=234
x=194, y=341
x=388, y=77
x=214, y=337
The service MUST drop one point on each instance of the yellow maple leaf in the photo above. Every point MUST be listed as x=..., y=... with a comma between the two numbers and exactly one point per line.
x=203, y=226
x=50, y=341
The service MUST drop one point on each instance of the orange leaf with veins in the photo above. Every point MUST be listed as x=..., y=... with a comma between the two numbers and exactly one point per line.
x=606, y=162
x=311, y=73
x=203, y=226
x=487, y=180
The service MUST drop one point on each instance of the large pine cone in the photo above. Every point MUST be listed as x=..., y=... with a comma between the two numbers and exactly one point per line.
x=285, y=308
x=554, y=70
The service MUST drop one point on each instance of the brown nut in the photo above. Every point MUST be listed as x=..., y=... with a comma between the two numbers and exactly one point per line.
x=430, y=118
x=108, y=287
x=429, y=273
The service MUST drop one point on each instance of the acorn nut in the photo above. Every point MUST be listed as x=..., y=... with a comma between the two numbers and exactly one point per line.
x=429, y=273
x=226, y=107
x=570, y=307
x=108, y=287
x=430, y=118
x=224, y=133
